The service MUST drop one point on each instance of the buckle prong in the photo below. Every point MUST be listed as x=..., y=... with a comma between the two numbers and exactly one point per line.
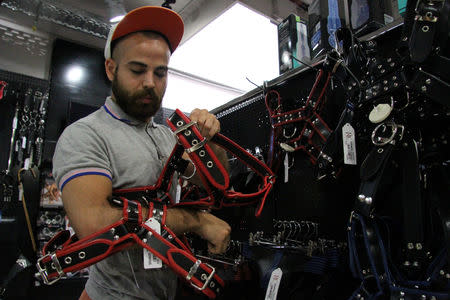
x=43, y=271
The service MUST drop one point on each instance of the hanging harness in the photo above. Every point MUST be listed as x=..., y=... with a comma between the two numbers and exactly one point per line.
x=311, y=131
x=64, y=254
x=368, y=235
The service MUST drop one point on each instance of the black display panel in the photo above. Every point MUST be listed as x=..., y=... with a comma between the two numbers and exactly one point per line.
x=78, y=85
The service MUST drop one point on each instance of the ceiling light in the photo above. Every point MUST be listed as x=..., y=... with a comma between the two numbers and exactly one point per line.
x=116, y=10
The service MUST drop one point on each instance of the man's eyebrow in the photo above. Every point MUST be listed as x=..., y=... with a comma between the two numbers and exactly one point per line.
x=162, y=68
x=137, y=63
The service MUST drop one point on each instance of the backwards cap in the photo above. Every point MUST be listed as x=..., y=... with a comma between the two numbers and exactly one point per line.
x=148, y=18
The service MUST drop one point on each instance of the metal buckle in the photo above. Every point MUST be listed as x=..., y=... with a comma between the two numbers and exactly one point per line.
x=381, y=141
x=194, y=269
x=197, y=146
x=184, y=127
x=43, y=271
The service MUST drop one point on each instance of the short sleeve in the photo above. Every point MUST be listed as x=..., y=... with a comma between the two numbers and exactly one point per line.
x=80, y=151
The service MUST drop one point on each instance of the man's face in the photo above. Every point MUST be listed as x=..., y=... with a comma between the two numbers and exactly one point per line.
x=140, y=74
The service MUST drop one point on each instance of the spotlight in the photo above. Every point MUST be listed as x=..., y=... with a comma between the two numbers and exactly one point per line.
x=74, y=74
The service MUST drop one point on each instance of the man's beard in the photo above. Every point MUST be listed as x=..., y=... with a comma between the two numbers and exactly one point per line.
x=128, y=101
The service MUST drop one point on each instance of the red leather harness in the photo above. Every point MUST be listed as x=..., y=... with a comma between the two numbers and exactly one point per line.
x=311, y=132
x=64, y=253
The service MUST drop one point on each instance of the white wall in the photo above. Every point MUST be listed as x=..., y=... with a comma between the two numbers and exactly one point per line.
x=16, y=58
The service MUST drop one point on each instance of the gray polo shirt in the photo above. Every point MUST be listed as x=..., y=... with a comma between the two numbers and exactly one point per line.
x=131, y=153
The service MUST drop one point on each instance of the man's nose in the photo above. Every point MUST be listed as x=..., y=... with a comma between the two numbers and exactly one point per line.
x=148, y=82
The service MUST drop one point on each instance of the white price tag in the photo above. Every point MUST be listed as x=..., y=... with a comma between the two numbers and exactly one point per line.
x=274, y=284
x=286, y=168
x=178, y=193
x=26, y=164
x=150, y=260
x=348, y=142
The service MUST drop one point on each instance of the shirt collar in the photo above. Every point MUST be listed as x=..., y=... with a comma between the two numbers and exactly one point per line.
x=114, y=110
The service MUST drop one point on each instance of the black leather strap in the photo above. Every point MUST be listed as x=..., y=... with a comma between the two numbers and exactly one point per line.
x=371, y=173
x=424, y=29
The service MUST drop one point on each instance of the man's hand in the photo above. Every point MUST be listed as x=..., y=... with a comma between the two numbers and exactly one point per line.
x=215, y=231
x=206, y=122
x=212, y=229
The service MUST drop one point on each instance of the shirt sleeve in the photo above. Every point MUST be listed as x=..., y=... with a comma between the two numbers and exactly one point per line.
x=79, y=151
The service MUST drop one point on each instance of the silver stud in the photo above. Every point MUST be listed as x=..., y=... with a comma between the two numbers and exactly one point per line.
x=180, y=123
x=116, y=237
x=112, y=230
x=212, y=284
x=202, y=153
x=419, y=246
x=82, y=255
x=144, y=240
x=194, y=142
x=428, y=81
x=170, y=237
x=204, y=276
x=68, y=260
x=187, y=133
x=423, y=297
x=424, y=88
x=209, y=164
x=410, y=246
x=369, y=200
x=361, y=198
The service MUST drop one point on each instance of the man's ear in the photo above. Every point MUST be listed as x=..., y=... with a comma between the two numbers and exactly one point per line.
x=110, y=67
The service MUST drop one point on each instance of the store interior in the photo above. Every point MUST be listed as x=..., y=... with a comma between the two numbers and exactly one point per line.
x=348, y=118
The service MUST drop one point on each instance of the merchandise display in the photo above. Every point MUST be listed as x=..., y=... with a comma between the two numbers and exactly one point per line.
x=332, y=178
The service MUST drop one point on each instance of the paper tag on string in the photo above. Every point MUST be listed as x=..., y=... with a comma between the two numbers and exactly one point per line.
x=274, y=284
x=349, y=144
x=178, y=193
x=286, y=168
x=151, y=261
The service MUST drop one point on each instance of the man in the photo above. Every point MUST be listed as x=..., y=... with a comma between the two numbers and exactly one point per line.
x=119, y=146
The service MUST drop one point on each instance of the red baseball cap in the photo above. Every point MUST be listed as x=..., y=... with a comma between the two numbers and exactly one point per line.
x=148, y=18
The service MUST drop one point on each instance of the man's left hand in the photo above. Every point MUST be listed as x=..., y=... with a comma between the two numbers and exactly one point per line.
x=207, y=123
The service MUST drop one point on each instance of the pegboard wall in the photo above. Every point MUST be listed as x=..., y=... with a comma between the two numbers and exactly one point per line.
x=16, y=86
x=302, y=197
